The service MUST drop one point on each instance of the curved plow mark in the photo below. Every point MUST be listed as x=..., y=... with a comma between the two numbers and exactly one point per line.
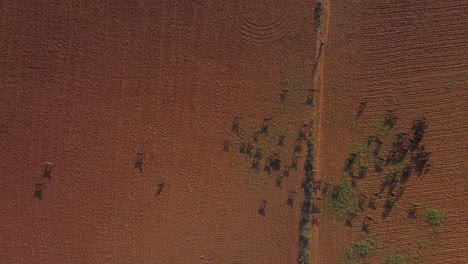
x=263, y=28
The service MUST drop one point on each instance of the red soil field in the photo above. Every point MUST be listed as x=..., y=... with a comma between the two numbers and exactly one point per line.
x=410, y=56
x=86, y=86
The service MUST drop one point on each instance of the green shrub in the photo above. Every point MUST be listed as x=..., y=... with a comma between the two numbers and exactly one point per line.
x=348, y=258
x=364, y=247
x=305, y=234
x=360, y=249
x=395, y=259
x=304, y=225
x=394, y=100
x=342, y=200
x=305, y=258
x=358, y=150
x=398, y=169
x=435, y=217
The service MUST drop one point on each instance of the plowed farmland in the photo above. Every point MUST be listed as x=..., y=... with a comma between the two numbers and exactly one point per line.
x=233, y=131
x=87, y=85
x=410, y=58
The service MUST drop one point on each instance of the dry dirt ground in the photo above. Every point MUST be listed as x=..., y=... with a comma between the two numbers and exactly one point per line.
x=410, y=56
x=86, y=86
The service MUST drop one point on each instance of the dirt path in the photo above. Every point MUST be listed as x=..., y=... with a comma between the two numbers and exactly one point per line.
x=321, y=39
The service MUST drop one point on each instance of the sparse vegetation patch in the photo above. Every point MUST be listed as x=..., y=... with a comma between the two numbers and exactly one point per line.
x=342, y=199
x=360, y=249
x=395, y=259
x=364, y=247
x=435, y=217
x=305, y=224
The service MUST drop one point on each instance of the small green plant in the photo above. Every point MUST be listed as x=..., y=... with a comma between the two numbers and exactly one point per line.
x=358, y=150
x=282, y=108
x=361, y=152
x=435, y=217
x=342, y=200
x=364, y=247
x=377, y=123
x=380, y=129
x=305, y=258
x=349, y=257
x=397, y=171
x=422, y=246
x=388, y=69
x=394, y=100
x=360, y=249
x=285, y=83
x=395, y=259
x=451, y=84
x=361, y=160
x=356, y=127
x=334, y=117
x=423, y=21
x=305, y=233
